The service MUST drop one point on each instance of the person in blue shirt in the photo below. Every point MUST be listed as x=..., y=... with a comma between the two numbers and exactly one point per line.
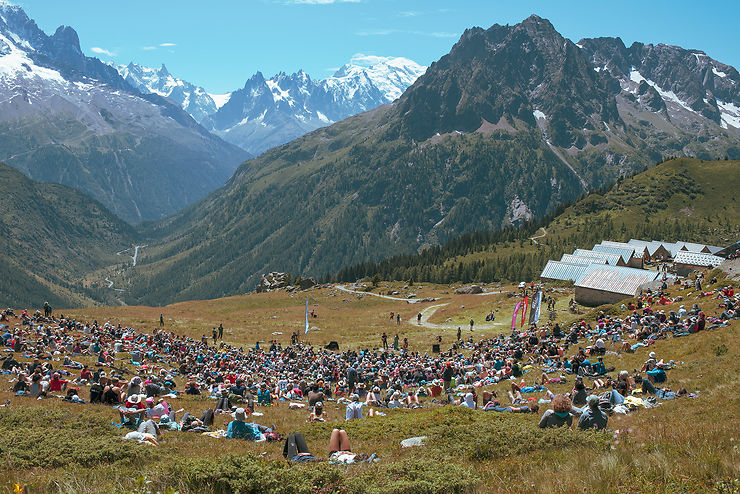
x=599, y=368
x=263, y=395
x=657, y=375
x=240, y=429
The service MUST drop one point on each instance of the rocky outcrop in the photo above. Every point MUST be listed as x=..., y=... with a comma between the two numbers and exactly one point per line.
x=272, y=281
x=468, y=289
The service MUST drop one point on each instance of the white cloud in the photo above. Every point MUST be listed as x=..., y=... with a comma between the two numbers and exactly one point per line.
x=168, y=44
x=102, y=51
x=376, y=32
x=148, y=48
x=331, y=69
x=408, y=13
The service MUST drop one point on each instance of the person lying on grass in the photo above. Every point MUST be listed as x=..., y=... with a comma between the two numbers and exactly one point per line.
x=296, y=450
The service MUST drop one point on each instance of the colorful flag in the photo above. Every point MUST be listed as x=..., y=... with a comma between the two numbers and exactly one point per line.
x=513, y=317
x=306, y=317
x=524, y=311
x=539, y=306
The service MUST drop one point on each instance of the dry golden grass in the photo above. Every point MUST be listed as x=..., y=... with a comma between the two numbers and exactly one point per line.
x=685, y=445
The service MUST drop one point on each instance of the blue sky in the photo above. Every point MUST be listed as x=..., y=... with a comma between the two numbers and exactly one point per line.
x=219, y=44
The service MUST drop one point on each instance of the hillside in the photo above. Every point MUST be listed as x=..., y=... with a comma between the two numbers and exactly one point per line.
x=678, y=200
x=512, y=122
x=686, y=444
x=50, y=235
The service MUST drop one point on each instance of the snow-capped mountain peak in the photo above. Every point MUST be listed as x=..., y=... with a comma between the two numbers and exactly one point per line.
x=194, y=100
x=268, y=112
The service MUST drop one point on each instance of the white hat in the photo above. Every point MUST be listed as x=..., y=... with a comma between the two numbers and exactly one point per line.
x=652, y=354
x=240, y=414
x=134, y=399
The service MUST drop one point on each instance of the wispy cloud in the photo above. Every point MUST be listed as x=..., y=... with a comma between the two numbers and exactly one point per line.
x=331, y=69
x=102, y=51
x=386, y=32
x=408, y=13
x=148, y=48
x=168, y=44
x=436, y=34
x=377, y=32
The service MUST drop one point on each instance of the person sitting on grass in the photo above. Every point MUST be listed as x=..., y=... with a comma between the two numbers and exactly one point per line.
x=318, y=414
x=468, y=401
x=263, y=395
x=192, y=388
x=559, y=415
x=593, y=417
x=132, y=411
x=22, y=387
x=579, y=393
x=373, y=397
x=223, y=405
x=657, y=375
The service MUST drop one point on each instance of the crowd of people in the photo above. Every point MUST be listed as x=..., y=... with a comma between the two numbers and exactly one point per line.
x=143, y=373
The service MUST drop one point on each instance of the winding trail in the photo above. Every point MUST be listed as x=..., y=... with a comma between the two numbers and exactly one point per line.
x=428, y=312
x=534, y=239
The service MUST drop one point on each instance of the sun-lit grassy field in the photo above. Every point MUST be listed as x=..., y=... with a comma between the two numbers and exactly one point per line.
x=685, y=445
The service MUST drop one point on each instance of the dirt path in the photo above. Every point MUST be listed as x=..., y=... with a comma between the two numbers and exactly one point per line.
x=534, y=239
x=428, y=312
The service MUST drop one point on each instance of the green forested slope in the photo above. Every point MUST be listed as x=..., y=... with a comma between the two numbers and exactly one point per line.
x=51, y=236
x=679, y=200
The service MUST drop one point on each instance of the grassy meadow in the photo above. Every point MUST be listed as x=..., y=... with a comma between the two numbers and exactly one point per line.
x=684, y=445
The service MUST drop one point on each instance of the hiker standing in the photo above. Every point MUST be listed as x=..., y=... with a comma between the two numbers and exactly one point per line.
x=161, y=320
x=459, y=333
x=385, y=341
x=471, y=323
x=418, y=318
x=220, y=331
x=395, y=342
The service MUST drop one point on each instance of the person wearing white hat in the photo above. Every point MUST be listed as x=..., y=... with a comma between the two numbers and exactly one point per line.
x=133, y=408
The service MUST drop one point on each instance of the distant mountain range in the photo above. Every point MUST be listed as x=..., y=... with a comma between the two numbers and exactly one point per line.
x=71, y=119
x=268, y=112
x=512, y=122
